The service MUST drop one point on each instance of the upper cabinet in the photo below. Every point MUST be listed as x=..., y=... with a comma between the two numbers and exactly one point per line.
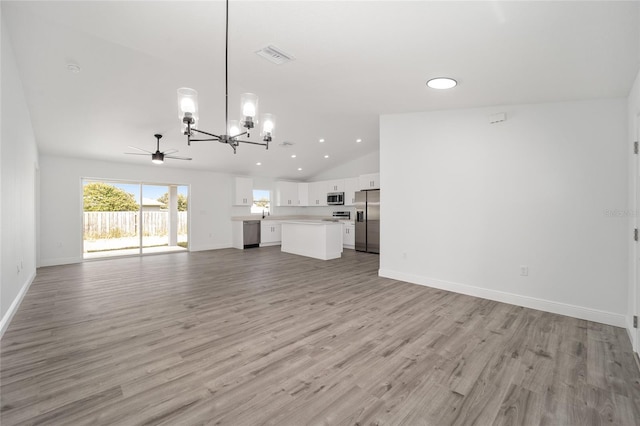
x=287, y=194
x=292, y=194
x=370, y=181
x=308, y=194
x=335, y=185
x=351, y=186
x=318, y=193
x=244, y=192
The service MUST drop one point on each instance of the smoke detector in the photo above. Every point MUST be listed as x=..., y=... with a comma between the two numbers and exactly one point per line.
x=73, y=68
x=275, y=55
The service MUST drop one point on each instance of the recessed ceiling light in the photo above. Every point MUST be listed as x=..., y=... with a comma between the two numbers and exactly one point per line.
x=442, y=83
x=293, y=156
x=321, y=140
x=74, y=68
x=258, y=164
x=299, y=168
x=326, y=156
x=358, y=140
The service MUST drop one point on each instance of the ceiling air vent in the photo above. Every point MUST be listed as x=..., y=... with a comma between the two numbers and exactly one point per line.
x=285, y=144
x=275, y=55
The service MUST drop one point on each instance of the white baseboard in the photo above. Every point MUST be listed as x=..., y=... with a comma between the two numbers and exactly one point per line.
x=269, y=244
x=210, y=247
x=580, y=312
x=6, y=319
x=59, y=261
x=631, y=332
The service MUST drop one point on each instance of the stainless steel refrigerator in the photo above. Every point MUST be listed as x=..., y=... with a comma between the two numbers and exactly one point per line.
x=368, y=221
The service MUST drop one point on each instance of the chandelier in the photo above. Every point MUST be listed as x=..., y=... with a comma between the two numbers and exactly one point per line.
x=188, y=112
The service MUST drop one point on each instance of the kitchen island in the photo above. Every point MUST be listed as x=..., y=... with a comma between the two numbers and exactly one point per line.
x=312, y=238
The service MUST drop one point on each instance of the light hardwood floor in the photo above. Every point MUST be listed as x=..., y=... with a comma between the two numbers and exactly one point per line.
x=261, y=337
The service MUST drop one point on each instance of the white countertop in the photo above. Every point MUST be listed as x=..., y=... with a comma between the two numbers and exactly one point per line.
x=296, y=218
x=293, y=217
x=311, y=222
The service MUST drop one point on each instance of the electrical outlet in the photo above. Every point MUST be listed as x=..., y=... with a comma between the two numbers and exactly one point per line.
x=524, y=271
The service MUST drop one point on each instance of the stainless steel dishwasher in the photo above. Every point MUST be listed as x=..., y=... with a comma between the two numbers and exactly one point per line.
x=251, y=233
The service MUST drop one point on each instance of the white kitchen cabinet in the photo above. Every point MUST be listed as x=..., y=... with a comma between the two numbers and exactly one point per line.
x=370, y=181
x=318, y=193
x=351, y=186
x=243, y=192
x=287, y=194
x=312, y=238
x=303, y=194
x=349, y=236
x=270, y=232
x=237, y=234
x=336, y=185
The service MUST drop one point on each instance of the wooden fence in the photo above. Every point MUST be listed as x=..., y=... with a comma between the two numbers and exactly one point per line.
x=100, y=225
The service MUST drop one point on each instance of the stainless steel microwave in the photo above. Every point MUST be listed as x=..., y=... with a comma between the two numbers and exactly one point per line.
x=335, y=198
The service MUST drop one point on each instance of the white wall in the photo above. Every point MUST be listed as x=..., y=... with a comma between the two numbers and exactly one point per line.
x=369, y=163
x=633, y=108
x=61, y=203
x=19, y=159
x=465, y=203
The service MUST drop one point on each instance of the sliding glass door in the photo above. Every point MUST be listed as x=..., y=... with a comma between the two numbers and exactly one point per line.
x=132, y=218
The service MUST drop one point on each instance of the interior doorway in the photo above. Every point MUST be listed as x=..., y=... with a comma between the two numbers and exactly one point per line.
x=133, y=218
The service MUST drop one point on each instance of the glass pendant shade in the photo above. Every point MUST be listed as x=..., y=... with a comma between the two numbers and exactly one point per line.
x=188, y=104
x=233, y=128
x=268, y=123
x=249, y=105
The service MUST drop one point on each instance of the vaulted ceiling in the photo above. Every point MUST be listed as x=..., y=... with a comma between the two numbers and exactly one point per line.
x=354, y=60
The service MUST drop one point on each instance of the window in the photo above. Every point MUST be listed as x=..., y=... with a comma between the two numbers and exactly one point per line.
x=261, y=201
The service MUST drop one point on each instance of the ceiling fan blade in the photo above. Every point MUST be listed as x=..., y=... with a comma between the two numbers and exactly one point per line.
x=136, y=153
x=171, y=151
x=177, y=158
x=139, y=149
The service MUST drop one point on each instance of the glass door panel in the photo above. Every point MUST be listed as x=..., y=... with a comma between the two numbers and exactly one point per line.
x=183, y=216
x=111, y=218
x=163, y=207
x=155, y=218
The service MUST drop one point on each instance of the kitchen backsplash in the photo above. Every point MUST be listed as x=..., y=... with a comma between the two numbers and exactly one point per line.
x=291, y=211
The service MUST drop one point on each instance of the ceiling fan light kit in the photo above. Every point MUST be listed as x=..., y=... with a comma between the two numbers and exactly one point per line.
x=157, y=158
x=188, y=112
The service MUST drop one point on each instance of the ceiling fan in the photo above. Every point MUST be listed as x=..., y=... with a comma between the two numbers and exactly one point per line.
x=158, y=156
